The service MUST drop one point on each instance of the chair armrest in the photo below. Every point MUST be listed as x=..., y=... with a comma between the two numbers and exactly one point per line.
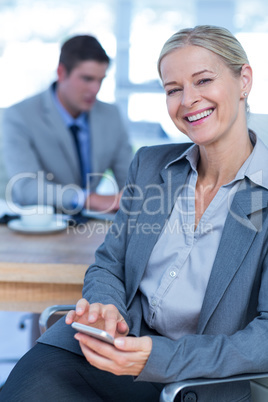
x=49, y=311
x=170, y=391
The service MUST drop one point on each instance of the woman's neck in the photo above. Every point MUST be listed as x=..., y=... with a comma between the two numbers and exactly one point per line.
x=218, y=165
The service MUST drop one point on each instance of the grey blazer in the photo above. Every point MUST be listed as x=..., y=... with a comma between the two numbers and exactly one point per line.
x=232, y=332
x=38, y=145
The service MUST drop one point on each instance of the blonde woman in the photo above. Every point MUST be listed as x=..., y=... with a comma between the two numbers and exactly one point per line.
x=181, y=280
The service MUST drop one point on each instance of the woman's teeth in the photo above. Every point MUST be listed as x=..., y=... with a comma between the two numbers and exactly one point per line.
x=199, y=116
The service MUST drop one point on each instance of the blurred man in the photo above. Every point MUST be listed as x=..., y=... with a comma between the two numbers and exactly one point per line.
x=59, y=143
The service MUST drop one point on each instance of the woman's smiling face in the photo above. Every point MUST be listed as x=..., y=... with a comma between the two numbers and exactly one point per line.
x=204, y=98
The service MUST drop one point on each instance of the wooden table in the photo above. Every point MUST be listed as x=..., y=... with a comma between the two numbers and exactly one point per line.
x=40, y=270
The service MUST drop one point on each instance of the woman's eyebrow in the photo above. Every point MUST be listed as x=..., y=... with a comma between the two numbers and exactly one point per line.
x=170, y=83
x=201, y=72
x=193, y=75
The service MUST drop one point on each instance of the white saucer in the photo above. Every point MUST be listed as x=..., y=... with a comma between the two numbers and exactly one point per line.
x=17, y=225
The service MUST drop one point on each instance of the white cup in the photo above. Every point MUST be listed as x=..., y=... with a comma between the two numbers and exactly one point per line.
x=37, y=215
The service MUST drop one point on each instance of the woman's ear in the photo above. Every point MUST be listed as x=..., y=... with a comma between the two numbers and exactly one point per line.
x=246, y=80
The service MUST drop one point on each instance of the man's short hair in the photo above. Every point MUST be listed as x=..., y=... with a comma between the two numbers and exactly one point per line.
x=82, y=48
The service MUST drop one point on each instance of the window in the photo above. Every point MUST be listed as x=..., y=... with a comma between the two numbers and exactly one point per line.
x=132, y=32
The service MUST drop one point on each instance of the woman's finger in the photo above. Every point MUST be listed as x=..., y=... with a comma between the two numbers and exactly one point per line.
x=74, y=315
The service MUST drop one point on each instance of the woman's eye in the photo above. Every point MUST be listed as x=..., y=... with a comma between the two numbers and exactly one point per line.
x=204, y=81
x=173, y=91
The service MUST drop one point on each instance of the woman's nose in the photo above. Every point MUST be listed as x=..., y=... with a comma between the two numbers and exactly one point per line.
x=190, y=96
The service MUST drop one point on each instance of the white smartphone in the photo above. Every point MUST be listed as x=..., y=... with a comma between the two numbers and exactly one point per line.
x=94, y=332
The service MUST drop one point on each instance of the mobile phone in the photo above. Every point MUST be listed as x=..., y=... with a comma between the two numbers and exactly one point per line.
x=94, y=332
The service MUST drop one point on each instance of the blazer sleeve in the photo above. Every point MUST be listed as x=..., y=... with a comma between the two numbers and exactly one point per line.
x=110, y=145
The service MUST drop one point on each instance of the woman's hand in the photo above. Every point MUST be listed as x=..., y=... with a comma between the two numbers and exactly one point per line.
x=127, y=357
x=106, y=317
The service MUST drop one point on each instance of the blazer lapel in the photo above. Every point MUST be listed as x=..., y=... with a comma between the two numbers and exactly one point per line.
x=157, y=206
x=242, y=224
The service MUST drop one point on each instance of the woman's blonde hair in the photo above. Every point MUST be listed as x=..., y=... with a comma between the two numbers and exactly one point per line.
x=216, y=39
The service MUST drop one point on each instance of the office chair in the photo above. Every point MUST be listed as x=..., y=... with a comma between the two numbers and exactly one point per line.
x=259, y=382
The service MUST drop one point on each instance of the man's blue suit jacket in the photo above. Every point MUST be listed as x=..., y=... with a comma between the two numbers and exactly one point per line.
x=38, y=147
